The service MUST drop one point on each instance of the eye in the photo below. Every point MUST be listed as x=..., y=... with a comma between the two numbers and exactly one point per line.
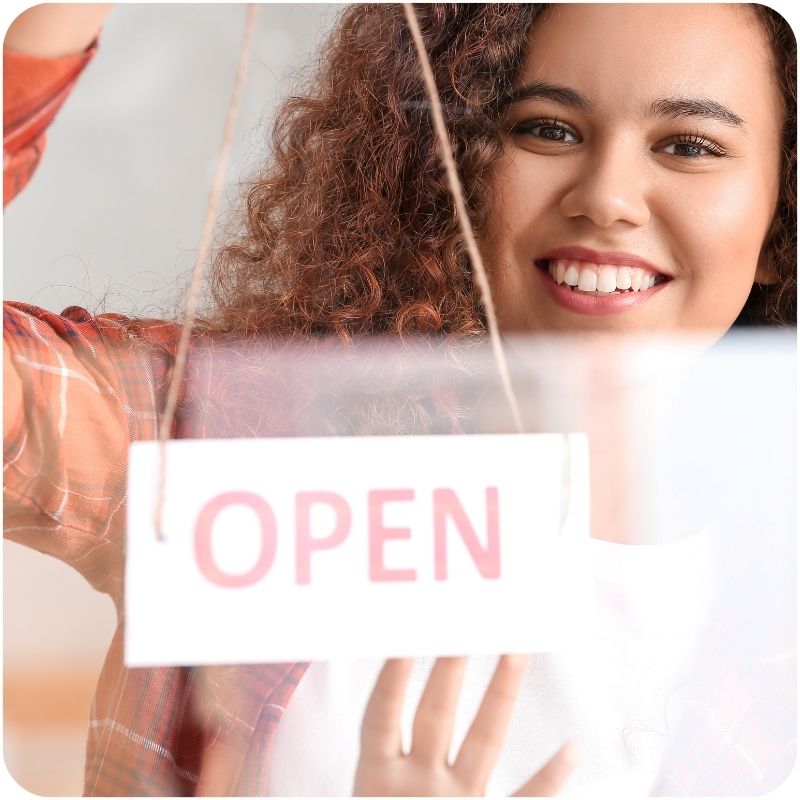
x=692, y=145
x=549, y=130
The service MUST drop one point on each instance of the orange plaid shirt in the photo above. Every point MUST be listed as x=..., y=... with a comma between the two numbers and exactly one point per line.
x=78, y=390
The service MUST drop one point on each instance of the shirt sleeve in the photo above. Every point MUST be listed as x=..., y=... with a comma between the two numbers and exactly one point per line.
x=77, y=390
x=34, y=89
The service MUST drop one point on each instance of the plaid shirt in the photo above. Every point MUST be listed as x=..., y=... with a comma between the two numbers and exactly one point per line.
x=78, y=390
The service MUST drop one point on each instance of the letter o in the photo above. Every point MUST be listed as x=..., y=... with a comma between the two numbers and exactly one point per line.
x=204, y=528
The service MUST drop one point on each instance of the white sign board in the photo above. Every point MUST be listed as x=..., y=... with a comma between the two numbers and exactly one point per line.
x=297, y=549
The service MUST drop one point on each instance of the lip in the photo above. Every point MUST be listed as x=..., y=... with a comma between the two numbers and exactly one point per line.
x=591, y=304
x=613, y=258
x=597, y=305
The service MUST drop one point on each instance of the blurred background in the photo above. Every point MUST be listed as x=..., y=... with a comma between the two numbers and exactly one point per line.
x=110, y=222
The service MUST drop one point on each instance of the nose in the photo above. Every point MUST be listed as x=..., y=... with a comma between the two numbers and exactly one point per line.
x=609, y=188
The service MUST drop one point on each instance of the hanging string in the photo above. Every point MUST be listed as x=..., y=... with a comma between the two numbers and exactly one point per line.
x=454, y=182
x=190, y=310
x=212, y=210
x=478, y=268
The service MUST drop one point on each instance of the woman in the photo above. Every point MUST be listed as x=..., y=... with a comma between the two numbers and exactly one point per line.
x=624, y=193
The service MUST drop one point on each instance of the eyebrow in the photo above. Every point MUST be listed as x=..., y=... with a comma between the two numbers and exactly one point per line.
x=674, y=107
x=547, y=91
x=671, y=107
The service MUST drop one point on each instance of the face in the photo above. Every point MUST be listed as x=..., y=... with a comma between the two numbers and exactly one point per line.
x=640, y=173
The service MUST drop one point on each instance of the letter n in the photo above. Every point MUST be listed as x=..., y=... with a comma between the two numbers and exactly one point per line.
x=487, y=559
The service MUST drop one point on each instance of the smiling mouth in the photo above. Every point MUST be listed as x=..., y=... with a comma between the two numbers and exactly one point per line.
x=584, y=277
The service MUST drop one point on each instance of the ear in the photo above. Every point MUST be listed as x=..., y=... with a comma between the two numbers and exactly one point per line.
x=766, y=274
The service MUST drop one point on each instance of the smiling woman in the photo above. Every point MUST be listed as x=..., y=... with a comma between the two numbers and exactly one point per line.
x=671, y=164
x=627, y=168
x=645, y=203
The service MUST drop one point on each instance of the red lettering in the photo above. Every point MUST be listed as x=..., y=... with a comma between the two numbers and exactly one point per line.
x=204, y=529
x=487, y=560
x=379, y=534
x=305, y=544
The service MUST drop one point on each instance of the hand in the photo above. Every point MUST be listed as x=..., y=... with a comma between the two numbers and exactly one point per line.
x=51, y=30
x=383, y=768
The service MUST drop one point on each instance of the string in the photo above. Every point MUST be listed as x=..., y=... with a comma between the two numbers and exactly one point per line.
x=473, y=252
x=190, y=310
x=478, y=270
x=212, y=209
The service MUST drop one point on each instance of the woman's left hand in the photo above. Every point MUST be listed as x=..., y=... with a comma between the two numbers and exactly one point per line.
x=385, y=770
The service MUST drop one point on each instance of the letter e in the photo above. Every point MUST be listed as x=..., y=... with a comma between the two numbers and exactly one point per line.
x=379, y=534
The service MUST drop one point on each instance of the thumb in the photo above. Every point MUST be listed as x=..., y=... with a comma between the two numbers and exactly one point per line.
x=549, y=779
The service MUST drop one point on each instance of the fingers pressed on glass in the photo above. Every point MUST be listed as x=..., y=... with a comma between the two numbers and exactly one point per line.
x=380, y=727
x=384, y=770
x=486, y=735
x=550, y=778
x=435, y=715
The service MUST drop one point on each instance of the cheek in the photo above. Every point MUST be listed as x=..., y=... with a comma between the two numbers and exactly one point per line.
x=717, y=230
x=522, y=201
x=718, y=227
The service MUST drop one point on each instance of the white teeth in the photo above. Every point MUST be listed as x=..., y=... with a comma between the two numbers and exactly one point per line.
x=607, y=279
x=587, y=282
x=604, y=279
x=571, y=275
x=623, y=278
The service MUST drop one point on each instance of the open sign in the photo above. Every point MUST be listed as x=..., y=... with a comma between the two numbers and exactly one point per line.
x=420, y=545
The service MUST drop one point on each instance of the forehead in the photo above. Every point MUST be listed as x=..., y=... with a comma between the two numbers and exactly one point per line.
x=626, y=55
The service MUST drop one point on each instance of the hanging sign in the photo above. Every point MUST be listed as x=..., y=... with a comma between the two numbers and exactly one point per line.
x=295, y=549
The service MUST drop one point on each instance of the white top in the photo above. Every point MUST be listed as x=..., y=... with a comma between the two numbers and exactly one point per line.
x=611, y=697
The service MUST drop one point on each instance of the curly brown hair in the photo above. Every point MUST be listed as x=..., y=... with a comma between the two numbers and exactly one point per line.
x=776, y=304
x=351, y=229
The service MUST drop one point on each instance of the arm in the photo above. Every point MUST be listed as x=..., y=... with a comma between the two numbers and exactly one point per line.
x=77, y=390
